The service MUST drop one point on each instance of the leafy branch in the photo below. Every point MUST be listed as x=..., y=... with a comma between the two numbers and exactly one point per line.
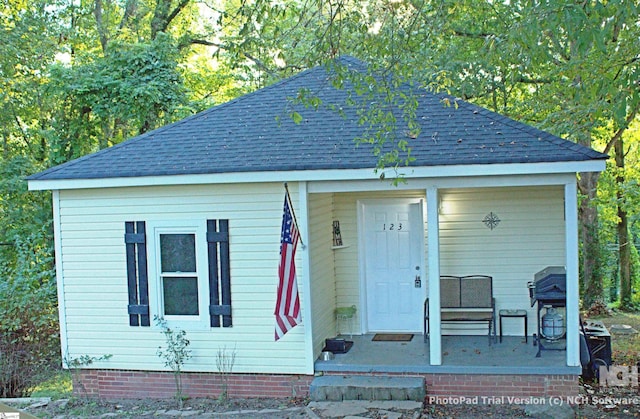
x=175, y=354
x=75, y=365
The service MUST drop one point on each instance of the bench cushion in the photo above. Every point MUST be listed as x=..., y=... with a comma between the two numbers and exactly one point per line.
x=466, y=316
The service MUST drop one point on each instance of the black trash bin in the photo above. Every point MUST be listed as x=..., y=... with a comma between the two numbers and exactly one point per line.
x=598, y=342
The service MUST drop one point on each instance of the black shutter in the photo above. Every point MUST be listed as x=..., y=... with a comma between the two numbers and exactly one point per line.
x=219, y=272
x=137, y=277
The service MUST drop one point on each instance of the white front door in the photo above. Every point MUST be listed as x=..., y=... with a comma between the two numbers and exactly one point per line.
x=392, y=243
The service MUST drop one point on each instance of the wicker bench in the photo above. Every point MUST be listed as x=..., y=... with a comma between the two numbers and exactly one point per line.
x=466, y=300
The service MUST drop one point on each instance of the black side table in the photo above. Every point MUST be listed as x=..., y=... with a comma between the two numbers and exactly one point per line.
x=514, y=313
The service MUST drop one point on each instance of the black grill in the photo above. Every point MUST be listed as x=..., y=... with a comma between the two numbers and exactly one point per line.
x=549, y=290
x=549, y=286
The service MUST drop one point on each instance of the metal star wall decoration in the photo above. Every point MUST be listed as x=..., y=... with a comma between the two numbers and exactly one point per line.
x=491, y=220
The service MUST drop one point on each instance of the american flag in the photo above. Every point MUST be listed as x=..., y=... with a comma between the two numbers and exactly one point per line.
x=288, y=303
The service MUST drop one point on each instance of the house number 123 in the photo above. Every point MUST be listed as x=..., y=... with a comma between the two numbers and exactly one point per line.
x=391, y=226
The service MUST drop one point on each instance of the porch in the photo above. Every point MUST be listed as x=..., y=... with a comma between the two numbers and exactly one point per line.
x=387, y=275
x=460, y=355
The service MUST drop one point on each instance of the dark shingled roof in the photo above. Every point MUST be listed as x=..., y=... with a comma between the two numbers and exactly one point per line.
x=255, y=133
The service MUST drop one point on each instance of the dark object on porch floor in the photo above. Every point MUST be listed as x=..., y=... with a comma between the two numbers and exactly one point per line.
x=392, y=337
x=337, y=346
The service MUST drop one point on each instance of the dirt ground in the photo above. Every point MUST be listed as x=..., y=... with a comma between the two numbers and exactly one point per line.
x=594, y=403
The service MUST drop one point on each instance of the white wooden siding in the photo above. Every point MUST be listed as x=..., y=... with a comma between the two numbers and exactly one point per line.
x=529, y=237
x=322, y=270
x=95, y=279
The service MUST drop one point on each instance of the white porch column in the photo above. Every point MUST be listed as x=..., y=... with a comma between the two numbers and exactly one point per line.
x=573, y=297
x=433, y=263
x=304, y=271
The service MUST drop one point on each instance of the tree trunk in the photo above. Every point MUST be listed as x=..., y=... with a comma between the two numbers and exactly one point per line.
x=592, y=289
x=163, y=15
x=5, y=143
x=623, y=231
x=102, y=31
x=130, y=9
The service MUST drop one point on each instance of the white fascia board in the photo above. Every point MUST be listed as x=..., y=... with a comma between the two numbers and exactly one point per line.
x=442, y=183
x=324, y=175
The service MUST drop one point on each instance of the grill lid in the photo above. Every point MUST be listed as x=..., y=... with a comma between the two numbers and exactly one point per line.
x=549, y=285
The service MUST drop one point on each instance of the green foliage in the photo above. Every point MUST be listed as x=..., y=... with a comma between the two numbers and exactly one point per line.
x=615, y=195
x=132, y=89
x=175, y=354
x=29, y=338
x=28, y=44
x=84, y=361
x=76, y=364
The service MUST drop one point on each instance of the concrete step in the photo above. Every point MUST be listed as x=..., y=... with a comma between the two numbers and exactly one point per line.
x=362, y=387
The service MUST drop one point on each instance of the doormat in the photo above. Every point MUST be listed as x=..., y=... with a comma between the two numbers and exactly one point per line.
x=392, y=337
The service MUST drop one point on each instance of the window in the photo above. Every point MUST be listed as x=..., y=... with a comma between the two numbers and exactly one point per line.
x=178, y=274
x=179, y=270
x=178, y=281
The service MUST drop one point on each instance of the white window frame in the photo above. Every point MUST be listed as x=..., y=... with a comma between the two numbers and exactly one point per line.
x=156, y=297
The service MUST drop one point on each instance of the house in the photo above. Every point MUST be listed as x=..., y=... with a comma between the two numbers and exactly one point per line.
x=184, y=222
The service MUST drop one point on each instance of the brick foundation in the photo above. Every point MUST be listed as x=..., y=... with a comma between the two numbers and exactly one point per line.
x=469, y=385
x=116, y=384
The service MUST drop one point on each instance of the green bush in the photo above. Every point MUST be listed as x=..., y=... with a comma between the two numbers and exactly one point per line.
x=175, y=354
x=29, y=336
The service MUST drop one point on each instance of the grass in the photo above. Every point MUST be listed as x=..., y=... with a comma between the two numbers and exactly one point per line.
x=57, y=387
x=625, y=349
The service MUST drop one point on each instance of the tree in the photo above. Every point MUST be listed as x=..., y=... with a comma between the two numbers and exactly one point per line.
x=29, y=343
x=619, y=197
x=132, y=89
x=29, y=340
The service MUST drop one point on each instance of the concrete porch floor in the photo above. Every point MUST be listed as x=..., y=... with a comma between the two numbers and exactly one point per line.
x=461, y=354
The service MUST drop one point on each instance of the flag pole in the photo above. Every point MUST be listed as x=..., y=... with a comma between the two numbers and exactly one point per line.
x=293, y=214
